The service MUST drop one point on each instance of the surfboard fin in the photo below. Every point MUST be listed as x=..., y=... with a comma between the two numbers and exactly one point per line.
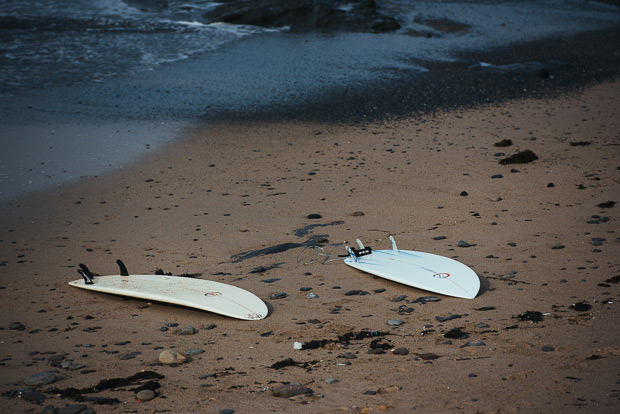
x=86, y=274
x=394, y=248
x=121, y=265
x=360, y=244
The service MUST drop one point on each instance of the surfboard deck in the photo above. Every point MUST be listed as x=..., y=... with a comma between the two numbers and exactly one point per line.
x=425, y=271
x=200, y=294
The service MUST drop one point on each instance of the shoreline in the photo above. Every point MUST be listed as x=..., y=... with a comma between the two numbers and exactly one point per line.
x=227, y=189
x=89, y=130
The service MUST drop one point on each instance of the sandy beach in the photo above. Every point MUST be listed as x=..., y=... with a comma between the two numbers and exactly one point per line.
x=543, y=237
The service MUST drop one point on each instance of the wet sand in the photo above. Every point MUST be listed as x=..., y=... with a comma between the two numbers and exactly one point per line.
x=538, y=238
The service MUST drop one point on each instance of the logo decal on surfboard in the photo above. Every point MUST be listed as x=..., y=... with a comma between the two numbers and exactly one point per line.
x=213, y=294
x=441, y=275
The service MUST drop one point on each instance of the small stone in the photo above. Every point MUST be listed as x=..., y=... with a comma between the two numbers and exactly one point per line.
x=395, y=322
x=171, y=357
x=463, y=243
x=145, y=395
x=439, y=238
x=314, y=216
x=398, y=298
x=71, y=409
x=312, y=295
x=356, y=292
x=464, y=194
x=331, y=380
x=558, y=247
x=48, y=409
x=280, y=295
x=376, y=351
x=497, y=176
x=358, y=214
x=186, y=330
x=42, y=378
x=194, y=352
x=17, y=326
x=227, y=411
x=208, y=326
x=429, y=356
x=522, y=157
x=400, y=351
x=474, y=343
x=547, y=348
x=291, y=390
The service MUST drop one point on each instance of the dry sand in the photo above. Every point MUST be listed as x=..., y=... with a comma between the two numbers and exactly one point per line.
x=234, y=188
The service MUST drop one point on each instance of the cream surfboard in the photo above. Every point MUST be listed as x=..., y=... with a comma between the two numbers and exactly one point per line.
x=421, y=270
x=194, y=293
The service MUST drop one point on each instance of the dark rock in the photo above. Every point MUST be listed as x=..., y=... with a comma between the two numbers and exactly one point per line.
x=606, y=204
x=558, y=247
x=463, y=243
x=428, y=356
x=503, y=143
x=314, y=216
x=306, y=15
x=280, y=295
x=42, y=378
x=531, y=316
x=376, y=351
x=456, y=333
x=547, y=348
x=356, y=292
x=447, y=318
x=291, y=390
x=71, y=409
x=464, y=194
x=581, y=307
x=398, y=298
x=17, y=326
x=400, y=351
x=439, y=238
x=522, y=157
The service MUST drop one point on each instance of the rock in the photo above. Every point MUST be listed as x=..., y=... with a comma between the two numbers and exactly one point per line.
x=331, y=380
x=400, y=351
x=171, y=357
x=71, y=409
x=186, y=330
x=398, y=298
x=312, y=296
x=208, y=326
x=522, y=157
x=227, y=411
x=503, y=143
x=291, y=390
x=42, y=378
x=314, y=216
x=463, y=243
x=194, y=352
x=464, y=194
x=395, y=322
x=17, y=326
x=280, y=295
x=356, y=292
x=145, y=395
x=429, y=356
x=547, y=348
x=48, y=409
x=439, y=238
x=306, y=15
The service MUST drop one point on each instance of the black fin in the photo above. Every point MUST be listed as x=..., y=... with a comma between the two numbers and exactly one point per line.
x=124, y=271
x=88, y=277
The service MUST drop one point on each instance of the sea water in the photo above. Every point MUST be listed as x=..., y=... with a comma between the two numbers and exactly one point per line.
x=88, y=85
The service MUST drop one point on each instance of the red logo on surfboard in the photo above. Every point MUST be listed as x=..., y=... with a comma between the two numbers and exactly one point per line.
x=213, y=294
x=441, y=275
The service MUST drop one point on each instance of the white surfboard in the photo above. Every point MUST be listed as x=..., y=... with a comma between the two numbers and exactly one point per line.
x=194, y=293
x=421, y=270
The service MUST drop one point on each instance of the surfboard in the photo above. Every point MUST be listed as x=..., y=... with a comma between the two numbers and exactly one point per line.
x=425, y=271
x=200, y=294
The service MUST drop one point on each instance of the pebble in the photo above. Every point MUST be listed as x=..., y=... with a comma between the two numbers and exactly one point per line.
x=463, y=243
x=71, y=409
x=171, y=357
x=291, y=390
x=186, y=330
x=398, y=298
x=145, y=395
x=208, y=326
x=400, y=351
x=395, y=322
x=331, y=380
x=280, y=295
x=356, y=292
x=312, y=296
x=439, y=238
x=227, y=411
x=194, y=352
x=474, y=343
x=42, y=378
x=547, y=348
x=464, y=193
